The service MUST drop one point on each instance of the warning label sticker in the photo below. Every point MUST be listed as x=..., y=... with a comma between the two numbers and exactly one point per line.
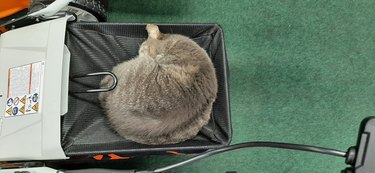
x=24, y=89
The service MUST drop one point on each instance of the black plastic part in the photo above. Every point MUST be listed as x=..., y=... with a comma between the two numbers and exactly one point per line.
x=351, y=155
x=365, y=159
x=348, y=170
x=27, y=21
x=36, y=5
x=18, y=23
x=95, y=7
x=100, y=47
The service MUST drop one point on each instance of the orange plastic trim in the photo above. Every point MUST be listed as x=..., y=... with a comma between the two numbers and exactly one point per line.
x=9, y=7
x=116, y=157
x=98, y=157
x=174, y=153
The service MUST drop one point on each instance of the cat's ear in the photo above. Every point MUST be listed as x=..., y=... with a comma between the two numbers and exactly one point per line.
x=153, y=31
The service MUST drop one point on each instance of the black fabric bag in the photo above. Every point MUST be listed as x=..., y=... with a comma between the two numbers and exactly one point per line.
x=98, y=47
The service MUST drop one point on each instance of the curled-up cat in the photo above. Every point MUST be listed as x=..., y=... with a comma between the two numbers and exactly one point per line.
x=165, y=94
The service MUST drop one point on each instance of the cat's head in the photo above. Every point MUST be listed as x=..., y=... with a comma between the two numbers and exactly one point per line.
x=157, y=43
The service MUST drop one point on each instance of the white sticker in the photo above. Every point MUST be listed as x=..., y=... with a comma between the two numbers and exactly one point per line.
x=24, y=89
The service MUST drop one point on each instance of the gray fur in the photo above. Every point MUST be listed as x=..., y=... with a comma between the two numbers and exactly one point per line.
x=165, y=94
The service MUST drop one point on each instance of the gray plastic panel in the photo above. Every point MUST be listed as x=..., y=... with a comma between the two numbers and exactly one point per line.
x=34, y=136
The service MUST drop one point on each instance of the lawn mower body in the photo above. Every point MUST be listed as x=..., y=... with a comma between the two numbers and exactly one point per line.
x=74, y=126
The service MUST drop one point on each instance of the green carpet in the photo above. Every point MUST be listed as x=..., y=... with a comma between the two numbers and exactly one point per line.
x=301, y=72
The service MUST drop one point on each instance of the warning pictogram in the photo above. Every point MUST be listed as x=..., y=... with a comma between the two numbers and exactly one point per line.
x=10, y=111
x=22, y=109
x=15, y=110
x=16, y=101
x=23, y=100
x=10, y=102
x=24, y=89
x=35, y=97
x=36, y=107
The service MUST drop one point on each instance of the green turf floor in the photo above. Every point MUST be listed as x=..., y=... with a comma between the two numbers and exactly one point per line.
x=301, y=72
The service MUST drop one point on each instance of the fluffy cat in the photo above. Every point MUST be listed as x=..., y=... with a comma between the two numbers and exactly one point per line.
x=165, y=94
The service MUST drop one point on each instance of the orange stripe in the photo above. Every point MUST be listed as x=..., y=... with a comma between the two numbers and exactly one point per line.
x=174, y=152
x=116, y=157
x=2, y=29
x=8, y=83
x=31, y=75
x=98, y=157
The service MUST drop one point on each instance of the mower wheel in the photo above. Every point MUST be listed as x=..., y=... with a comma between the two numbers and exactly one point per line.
x=86, y=10
x=95, y=7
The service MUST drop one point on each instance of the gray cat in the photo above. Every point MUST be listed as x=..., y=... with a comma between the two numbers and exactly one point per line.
x=165, y=94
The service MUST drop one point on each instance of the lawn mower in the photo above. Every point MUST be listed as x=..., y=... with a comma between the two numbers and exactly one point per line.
x=52, y=60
